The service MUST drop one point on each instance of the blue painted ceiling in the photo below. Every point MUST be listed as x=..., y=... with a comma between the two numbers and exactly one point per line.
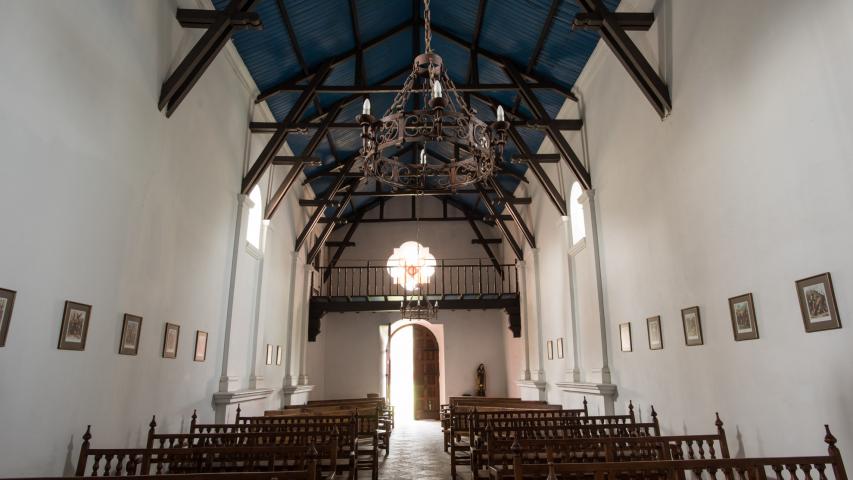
x=323, y=29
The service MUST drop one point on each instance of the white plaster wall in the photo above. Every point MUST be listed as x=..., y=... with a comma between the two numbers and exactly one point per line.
x=354, y=357
x=744, y=188
x=107, y=202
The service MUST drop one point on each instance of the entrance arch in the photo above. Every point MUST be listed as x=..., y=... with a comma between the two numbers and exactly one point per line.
x=414, y=367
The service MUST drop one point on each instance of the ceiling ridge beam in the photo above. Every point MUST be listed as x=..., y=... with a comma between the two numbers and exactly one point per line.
x=336, y=60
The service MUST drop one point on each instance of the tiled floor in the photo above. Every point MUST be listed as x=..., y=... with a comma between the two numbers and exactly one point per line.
x=416, y=453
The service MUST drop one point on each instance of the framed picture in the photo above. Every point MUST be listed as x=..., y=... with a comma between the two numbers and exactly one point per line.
x=278, y=355
x=550, y=349
x=7, y=301
x=692, y=326
x=560, y=352
x=744, y=324
x=269, y=354
x=170, y=340
x=817, y=303
x=200, y=346
x=131, y=329
x=625, y=336
x=75, y=326
x=654, y=331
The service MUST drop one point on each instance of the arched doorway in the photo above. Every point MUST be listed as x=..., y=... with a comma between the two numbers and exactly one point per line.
x=413, y=367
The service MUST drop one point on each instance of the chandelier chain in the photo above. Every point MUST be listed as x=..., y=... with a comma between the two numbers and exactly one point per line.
x=427, y=28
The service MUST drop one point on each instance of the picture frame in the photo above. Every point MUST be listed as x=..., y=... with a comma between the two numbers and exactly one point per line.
x=278, y=355
x=269, y=354
x=625, y=337
x=550, y=344
x=655, y=333
x=692, y=323
x=131, y=331
x=200, y=346
x=75, y=326
x=744, y=322
x=170, y=340
x=818, y=305
x=7, y=303
x=560, y=352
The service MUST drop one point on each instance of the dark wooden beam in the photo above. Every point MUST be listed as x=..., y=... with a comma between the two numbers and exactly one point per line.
x=519, y=253
x=539, y=172
x=293, y=160
x=194, y=18
x=500, y=61
x=629, y=21
x=301, y=127
x=486, y=248
x=343, y=243
x=629, y=55
x=318, y=212
x=513, y=212
x=336, y=61
x=557, y=138
x=282, y=190
x=545, y=158
x=192, y=67
x=486, y=241
x=317, y=202
x=360, y=75
x=327, y=230
x=480, y=218
x=275, y=143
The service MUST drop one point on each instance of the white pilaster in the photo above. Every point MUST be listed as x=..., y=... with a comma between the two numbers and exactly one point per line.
x=289, y=378
x=587, y=199
x=303, y=344
x=570, y=344
x=256, y=379
x=537, y=317
x=525, y=330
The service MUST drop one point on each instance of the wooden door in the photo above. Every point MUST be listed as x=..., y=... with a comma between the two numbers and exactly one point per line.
x=425, y=369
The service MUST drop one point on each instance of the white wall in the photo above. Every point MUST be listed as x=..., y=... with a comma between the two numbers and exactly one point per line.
x=744, y=188
x=107, y=202
x=354, y=354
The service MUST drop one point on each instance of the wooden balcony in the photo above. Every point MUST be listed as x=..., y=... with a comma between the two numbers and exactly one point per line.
x=456, y=285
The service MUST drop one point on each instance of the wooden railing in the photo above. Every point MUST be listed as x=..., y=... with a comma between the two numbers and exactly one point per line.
x=452, y=278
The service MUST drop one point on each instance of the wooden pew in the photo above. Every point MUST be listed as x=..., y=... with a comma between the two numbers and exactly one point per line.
x=500, y=451
x=122, y=462
x=288, y=475
x=780, y=468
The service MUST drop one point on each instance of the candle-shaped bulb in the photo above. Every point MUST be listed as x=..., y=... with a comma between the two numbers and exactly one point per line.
x=500, y=113
x=365, y=108
x=423, y=157
x=436, y=89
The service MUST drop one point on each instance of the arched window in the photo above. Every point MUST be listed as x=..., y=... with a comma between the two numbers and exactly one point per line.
x=578, y=221
x=256, y=215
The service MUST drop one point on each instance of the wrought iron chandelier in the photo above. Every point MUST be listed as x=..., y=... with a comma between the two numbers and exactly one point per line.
x=446, y=117
x=418, y=309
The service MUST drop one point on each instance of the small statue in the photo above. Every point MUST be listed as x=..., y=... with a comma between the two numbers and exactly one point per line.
x=481, y=380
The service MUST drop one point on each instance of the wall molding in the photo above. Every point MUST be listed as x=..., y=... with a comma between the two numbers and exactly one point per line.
x=241, y=396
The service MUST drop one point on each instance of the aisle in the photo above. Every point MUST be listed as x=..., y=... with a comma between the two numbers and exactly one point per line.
x=416, y=453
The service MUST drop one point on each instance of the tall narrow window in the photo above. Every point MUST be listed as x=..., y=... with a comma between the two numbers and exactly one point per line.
x=256, y=215
x=578, y=221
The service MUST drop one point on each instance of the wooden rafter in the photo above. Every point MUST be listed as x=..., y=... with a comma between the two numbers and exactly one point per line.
x=519, y=253
x=275, y=143
x=612, y=28
x=327, y=229
x=486, y=248
x=538, y=172
x=220, y=26
x=557, y=138
x=318, y=211
x=513, y=213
